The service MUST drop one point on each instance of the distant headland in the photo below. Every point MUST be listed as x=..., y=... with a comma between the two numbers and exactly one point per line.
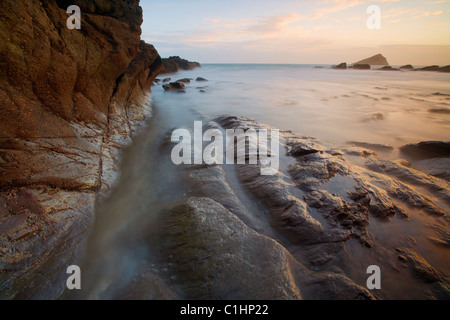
x=175, y=64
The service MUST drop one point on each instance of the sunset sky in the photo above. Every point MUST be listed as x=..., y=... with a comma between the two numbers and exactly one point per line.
x=301, y=31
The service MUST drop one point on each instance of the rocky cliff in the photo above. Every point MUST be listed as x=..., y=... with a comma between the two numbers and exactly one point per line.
x=69, y=101
x=175, y=64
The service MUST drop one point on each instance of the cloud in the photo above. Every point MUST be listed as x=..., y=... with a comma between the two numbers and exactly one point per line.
x=305, y=30
x=230, y=24
x=267, y=26
x=353, y=19
x=329, y=7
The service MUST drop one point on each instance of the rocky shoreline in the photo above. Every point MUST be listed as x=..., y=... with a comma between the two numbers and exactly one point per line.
x=308, y=232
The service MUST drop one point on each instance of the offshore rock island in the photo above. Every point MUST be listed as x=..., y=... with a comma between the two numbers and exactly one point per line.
x=86, y=176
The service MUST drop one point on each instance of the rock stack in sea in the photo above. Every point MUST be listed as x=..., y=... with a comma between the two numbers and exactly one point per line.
x=376, y=60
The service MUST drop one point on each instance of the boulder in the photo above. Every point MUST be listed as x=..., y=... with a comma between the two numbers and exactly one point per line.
x=430, y=68
x=200, y=79
x=427, y=149
x=213, y=251
x=341, y=66
x=220, y=251
x=377, y=117
x=438, y=167
x=440, y=110
x=361, y=66
x=445, y=69
x=407, y=67
x=179, y=86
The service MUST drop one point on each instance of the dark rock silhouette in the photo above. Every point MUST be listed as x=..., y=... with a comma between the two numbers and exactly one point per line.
x=175, y=64
x=427, y=149
x=430, y=68
x=440, y=110
x=185, y=80
x=407, y=67
x=445, y=69
x=174, y=86
x=342, y=66
x=388, y=68
x=361, y=67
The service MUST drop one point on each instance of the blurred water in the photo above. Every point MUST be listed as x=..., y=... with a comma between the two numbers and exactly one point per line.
x=334, y=105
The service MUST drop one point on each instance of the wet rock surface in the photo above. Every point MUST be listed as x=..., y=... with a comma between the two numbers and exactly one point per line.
x=321, y=201
x=214, y=251
x=361, y=67
x=376, y=60
x=388, y=68
x=174, y=86
x=427, y=149
x=308, y=232
x=430, y=68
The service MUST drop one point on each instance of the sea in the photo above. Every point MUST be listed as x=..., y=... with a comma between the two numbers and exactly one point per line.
x=335, y=106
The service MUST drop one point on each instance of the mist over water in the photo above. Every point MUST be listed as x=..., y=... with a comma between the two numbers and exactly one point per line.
x=335, y=106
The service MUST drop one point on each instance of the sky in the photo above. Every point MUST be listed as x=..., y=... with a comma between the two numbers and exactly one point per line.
x=298, y=31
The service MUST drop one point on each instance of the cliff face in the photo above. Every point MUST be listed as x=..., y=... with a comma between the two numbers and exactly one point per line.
x=69, y=100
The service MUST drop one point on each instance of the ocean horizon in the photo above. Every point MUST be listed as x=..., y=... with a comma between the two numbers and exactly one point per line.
x=384, y=107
